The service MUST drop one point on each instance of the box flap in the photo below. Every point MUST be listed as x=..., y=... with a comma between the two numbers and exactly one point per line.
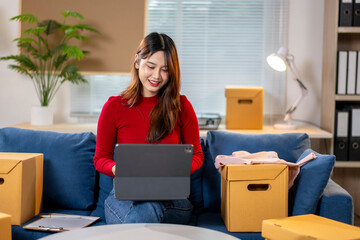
x=240, y=172
x=6, y=165
x=243, y=93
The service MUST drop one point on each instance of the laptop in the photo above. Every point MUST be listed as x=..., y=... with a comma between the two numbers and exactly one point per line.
x=152, y=171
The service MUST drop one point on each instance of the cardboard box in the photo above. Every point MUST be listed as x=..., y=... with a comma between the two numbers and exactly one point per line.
x=5, y=226
x=244, y=107
x=252, y=193
x=21, y=185
x=308, y=226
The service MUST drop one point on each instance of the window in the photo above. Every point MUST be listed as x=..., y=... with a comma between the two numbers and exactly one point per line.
x=88, y=99
x=224, y=43
x=219, y=43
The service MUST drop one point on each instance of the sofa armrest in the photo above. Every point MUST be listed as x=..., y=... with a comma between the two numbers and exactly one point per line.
x=336, y=203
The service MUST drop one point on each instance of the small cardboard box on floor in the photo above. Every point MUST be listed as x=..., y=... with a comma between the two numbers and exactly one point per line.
x=21, y=185
x=252, y=193
x=244, y=107
x=311, y=227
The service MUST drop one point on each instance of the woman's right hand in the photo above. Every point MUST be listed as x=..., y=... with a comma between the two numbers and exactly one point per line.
x=113, y=170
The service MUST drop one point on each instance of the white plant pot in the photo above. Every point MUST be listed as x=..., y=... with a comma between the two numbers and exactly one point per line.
x=42, y=116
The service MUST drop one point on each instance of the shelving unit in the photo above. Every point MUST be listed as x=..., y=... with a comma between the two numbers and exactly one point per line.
x=335, y=39
x=346, y=173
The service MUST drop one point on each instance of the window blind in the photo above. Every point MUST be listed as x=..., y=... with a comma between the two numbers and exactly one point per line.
x=219, y=43
x=224, y=43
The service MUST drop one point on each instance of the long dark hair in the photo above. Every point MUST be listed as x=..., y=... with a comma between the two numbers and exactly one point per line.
x=163, y=116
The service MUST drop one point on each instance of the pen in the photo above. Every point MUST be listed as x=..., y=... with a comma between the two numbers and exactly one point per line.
x=60, y=216
x=53, y=228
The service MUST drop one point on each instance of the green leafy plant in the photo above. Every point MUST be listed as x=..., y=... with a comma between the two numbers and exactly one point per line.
x=46, y=55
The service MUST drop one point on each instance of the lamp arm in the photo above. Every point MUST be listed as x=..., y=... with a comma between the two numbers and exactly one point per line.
x=302, y=86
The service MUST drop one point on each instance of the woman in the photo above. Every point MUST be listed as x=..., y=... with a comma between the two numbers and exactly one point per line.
x=151, y=110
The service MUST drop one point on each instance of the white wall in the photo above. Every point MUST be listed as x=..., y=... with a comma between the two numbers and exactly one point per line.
x=17, y=93
x=305, y=43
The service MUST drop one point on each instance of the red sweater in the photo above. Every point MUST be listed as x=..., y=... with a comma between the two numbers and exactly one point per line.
x=121, y=124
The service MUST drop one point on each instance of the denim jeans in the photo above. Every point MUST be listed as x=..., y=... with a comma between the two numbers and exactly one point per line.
x=169, y=211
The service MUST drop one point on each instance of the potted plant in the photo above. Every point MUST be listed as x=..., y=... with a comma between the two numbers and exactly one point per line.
x=46, y=56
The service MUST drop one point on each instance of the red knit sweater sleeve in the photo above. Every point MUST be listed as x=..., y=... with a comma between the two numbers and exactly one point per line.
x=106, y=138
x=190, y=132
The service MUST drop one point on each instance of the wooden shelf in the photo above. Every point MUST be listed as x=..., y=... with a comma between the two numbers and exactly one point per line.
x=61, y=127
x=347, y=164
x=347, y=97
x=313, y=131
x=349, y=30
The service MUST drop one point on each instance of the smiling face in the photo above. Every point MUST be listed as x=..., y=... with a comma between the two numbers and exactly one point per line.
x=153, y=73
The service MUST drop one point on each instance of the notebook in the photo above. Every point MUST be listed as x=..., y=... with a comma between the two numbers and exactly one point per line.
x=152, y=171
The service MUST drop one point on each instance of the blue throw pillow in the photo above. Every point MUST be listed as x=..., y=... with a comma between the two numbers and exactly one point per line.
x=310, y=184
x=288, y=146
x=69, y=173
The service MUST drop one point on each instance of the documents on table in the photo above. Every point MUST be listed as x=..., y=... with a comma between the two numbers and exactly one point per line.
x=57, y=222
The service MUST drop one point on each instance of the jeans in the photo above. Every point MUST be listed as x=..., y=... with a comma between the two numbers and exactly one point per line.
x=169, y=211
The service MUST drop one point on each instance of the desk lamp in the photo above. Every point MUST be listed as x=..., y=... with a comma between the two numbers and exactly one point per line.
x=280, y=61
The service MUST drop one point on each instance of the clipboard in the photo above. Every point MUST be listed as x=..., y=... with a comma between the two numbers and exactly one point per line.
x=56, y=222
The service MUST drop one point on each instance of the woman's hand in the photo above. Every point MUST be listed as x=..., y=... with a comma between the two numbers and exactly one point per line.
x=113, y=170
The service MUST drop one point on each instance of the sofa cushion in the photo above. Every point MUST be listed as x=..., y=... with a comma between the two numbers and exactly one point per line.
x=289, y=147
x=196, y=188
x=69, y=173
x=310, y=184
x=336, y=203
x=105, y=185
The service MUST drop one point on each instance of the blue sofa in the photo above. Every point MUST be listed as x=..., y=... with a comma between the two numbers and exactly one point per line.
x=72, y=185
